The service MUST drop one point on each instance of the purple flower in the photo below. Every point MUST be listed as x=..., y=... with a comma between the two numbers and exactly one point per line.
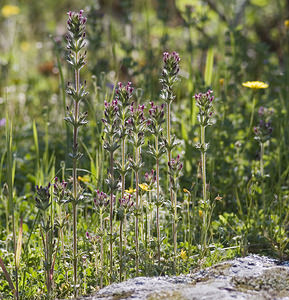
x=171, y=61
x=101, y=199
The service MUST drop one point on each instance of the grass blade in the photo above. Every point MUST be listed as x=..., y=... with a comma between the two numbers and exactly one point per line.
x=7, y=276
x=19, y=243
x=209, y=67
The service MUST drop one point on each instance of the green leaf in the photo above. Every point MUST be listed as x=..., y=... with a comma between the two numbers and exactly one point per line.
x=209, y=67
x=184, y=130
x=35, y=137
x=7, y=276
x=10, y=165
x=19, y=244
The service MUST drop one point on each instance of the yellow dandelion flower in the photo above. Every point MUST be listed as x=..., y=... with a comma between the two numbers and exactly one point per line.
x=84, y=179
x=144, y=187
x=130, y=190
x=10, y=10
x=183, y=254
x=24, y=46
x=200, y=213
x=255, y=85
x=286, y=24
x=221, y=81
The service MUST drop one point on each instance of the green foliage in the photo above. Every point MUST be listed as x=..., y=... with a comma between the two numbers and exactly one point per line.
x=221, y=45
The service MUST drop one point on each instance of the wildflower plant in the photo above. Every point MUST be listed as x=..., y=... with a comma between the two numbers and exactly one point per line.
x=50, y=246
x=61, y=195
x=125, y=205
x=263, y=131
x=137, y=126
x=254, y=86
x=77, y=59
x=61, y=192
x=175, y=168
x=168, y=79
x=154, y=123
x=263, y=134
x=204, y=102
x=101, y=202
x=123, y=95
x=149, y=187
x=111, y=123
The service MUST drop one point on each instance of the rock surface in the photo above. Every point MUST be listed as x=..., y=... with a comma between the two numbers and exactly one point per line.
x=253, y=277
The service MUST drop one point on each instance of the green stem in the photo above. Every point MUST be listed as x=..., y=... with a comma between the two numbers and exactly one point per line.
x=74, y=175
x=158, y=202
x=262, y=159
x=137, y=212
x=110, y=221
x=262, y=173
x=169, y=129
x=124, y=244
x=170, y=185
x=120, y=250
x=252, y=114
x=101, y=250
x=122, y=164
x=175, y=229
x=203, y=157
x=146, y=240
x=10, y=205
x=15, y=247
x=189, y=224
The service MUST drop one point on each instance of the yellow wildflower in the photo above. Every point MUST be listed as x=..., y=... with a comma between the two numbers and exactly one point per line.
x=200, y=213
x=130, y=190
x=144, y=187
x=24, y=46
x=183, y=254
x=84, y=179
x=256, y=85
x=186, y=191
x=286, y=24
x=10, y=10
x=221, y=81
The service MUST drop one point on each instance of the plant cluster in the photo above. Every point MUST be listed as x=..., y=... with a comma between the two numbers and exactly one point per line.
x=180, y=169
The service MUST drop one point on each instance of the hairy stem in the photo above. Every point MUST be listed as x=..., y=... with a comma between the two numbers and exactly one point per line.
x=101, y=250
x=122, y=195
x=110, y=220
x=169, y=159
x=262, y=173
x=252, y=113
x=158, y=199
x=120, y=250
x=262, y=159
x=175, y=228
x=122, y=164
x=137, y=212
x=203, y=157
x=74, y=175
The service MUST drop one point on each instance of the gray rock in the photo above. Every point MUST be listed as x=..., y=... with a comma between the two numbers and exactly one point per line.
x=253, y=277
